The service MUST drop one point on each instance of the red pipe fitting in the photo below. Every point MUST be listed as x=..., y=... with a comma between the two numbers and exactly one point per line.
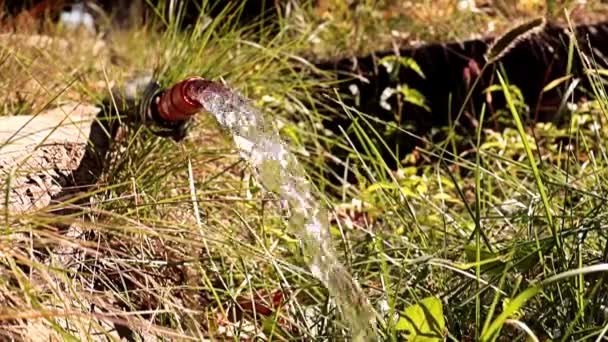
x=179, y=102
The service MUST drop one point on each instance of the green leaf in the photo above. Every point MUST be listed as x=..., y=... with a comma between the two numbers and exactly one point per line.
x=380, y=186
x=413, y=96
x=389, y=62
x=423, y=322
x=556, y=82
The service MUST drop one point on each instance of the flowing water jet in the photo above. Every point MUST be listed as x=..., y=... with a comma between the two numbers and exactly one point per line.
x=278, y=171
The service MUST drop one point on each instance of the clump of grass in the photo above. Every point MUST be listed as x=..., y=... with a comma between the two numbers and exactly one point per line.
x=175, y=240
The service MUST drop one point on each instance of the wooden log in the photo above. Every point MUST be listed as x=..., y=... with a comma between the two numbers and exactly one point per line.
x=41, y=155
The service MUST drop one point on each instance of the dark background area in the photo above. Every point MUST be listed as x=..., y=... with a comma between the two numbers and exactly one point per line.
x=133, y=12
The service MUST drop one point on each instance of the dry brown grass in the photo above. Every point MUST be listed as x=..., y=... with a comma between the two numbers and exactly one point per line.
x=39, y=69
x=372, y=25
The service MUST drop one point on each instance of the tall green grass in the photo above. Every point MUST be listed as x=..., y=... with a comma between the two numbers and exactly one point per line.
x=508, y=236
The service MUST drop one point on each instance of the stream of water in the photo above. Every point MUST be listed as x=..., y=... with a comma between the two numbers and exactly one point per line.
x=279, y=171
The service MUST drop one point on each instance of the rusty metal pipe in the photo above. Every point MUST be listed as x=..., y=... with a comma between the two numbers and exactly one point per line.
x=167, y=111
x=179, y=102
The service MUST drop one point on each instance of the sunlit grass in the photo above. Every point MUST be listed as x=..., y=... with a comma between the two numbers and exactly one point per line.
x=175, y=240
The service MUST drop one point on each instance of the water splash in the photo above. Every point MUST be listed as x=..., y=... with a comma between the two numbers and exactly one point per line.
x=279, y=171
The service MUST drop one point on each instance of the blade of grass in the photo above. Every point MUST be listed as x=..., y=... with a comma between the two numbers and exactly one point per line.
x=536, y=173
x=521, y=299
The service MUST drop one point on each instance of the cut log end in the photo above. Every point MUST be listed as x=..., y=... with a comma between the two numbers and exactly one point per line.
x=40, y=154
